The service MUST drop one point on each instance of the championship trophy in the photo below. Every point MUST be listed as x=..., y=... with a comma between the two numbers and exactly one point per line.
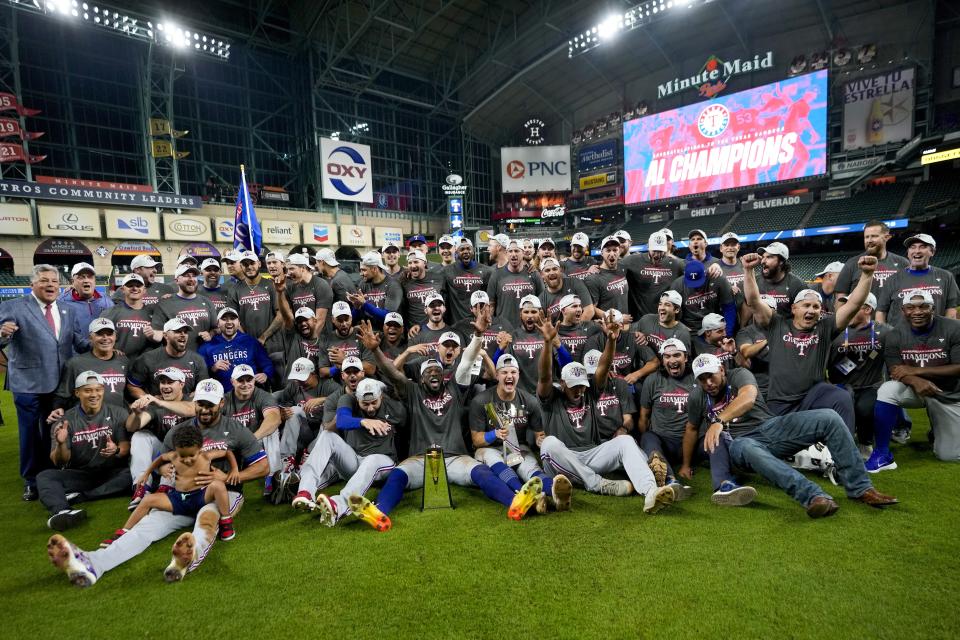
x=511, y=446
x=436, y=489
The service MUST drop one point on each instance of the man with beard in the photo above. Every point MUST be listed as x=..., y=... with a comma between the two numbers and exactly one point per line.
x=390, y=253
x=529, y=251
x=732, y=269
x=557, y=286
x=232, y=348
x=753, y=348
x=341, y=343
x=703, y=293
x=919, y=274
x=698, y=248
x=876, y=234
x=654, y=329
x=418, y=285
x=509, y=284
x=329, y=267
x=650, y=274
x=713, y=339
x=800, y=345
x=608, y=286
x=527, y=343
x=777, y=281
x=572, y=330
x=545, y=249
x=378, y=294
x=435, y=410
x=479, y=303
x=625, y=242
x=365, y=452
x=103, y=360
x=445, y=248
x=195, y=311
x=146, y=267
x=922, y=355
x=84, y=568
x=498, y=250
x=580, y=264
x=828, y=284
x=758, y=441
x=174, y=353
x=305, y=341
x=90, y=447
x=133, y=320
x=82, y=297
x=627, y=353
x=304, y=289
x=394, y=341
x=573, y=446
x=519, y=420
x=263, y=307
x=211, y=288
x=464, y=277
x=419, y=243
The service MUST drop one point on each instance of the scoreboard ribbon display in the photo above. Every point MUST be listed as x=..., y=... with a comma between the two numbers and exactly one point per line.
x=762, y=135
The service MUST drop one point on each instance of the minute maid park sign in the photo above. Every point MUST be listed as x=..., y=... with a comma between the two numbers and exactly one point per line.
x=715, y=74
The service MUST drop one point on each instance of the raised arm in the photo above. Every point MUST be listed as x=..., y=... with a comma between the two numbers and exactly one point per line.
x=845, y=314
x=545, y=367
x=762, y=314
x=462, y=374
x=371, y=341
x=612, y=329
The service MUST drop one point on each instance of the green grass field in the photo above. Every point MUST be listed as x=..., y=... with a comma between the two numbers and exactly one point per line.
x=604, y=570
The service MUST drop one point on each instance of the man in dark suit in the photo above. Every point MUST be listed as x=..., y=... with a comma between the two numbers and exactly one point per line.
x=39, y=336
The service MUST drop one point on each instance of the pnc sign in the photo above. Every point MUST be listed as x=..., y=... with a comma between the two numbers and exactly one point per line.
x=347, y=173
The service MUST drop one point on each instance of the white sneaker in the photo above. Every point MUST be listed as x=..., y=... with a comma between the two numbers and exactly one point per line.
x=71, y=560
x=658, y=499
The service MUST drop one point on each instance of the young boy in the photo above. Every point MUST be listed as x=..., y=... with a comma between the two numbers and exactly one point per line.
x=187, y=499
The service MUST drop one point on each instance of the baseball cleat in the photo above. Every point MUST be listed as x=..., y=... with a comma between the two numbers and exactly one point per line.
x=327, y=509
x=525, y=498
x=303, y=502
x=562, y=492
x=71, y=560
x=730, y=494
x=615, y=488
x=369, y=513
x=66, y=518
x=658, y=499
x=658, y=465
x=184, y=553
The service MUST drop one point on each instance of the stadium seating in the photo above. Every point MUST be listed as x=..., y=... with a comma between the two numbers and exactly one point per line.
x=710, y=224
x=776, y=219
x=639, y=231
x=807, y=266
x=880, y=202
x=934, y=193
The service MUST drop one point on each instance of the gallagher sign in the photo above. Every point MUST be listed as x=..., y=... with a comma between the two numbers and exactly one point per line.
x=346, y=172
x=715, y=74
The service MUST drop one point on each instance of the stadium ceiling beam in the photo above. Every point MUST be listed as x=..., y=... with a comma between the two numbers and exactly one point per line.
x=375, y=8
x=827, y=20
x=733, y=25
x=662, y=50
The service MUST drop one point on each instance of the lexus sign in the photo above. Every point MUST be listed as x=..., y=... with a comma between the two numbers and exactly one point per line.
x=532, y=169
x=346, y=171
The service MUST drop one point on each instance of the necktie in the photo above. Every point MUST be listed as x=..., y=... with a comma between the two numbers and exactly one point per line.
x=49, y=314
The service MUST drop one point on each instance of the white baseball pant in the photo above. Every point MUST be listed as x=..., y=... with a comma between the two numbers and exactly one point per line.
x=144, y=448
x=944, y=417
x=587, y=467
x=492, y=455
x=458, y=470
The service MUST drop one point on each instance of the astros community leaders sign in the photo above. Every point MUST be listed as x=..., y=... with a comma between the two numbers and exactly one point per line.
x=23, y=189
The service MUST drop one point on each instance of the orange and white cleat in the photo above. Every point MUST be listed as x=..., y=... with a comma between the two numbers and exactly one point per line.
x=369, y=513
x=525, y=498
x=71, y=560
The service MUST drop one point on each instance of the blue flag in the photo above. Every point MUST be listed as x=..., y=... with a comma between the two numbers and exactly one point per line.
x=246, y=229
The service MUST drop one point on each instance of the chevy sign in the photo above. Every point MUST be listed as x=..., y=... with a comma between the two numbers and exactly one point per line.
x=535, y=169
x=346, y=171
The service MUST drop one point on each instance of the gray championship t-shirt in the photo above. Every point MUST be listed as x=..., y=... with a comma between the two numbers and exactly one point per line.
x=609, y=289
x=460, y=284
x=856, y=356
x=702, y=409
x=436, y=419
x=527, y=419
x=249, y=412
x=938, y=347
x=801, y=356
x=143, y=371
x=656, y=333
x=113, y=371
x=850, y=274
x=697, y=303
x=506, y=288
x=572, y=424
x=131, y=328
x=667, y=397
x=365, y=443
x=938, y=282
x=647, y=281
x=782, y=292
x=87, y=436
x=551, y=300
x=197, y=313
x=415, y=293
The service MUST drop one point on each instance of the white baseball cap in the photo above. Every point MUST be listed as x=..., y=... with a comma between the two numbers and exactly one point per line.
x=568, y=300
x=466, y=241
x=657, y=241
x=924, y=294
x=676, y=343
x=549, y=262
x=667, y=232
x=432, y=297
x=171, y=373
x=372, y=259
x=209, y=390
x=187, y=268
x=233, y=255
x=132, y=277
x=208, y=263
x=304, y=312
x=82, y=266
x=548, y=241
x=479, y=297
x=249, y=255
x=351, y=362
x=502, y=239
x=298, y=259
x=507, y=360
x=241, y=370
x=616, y=314
x=531, y=299
x=697, y=232
x=591, y=360
x=275, y=255
x=327, y=256
x=871, y=301
x=389, y=245
x=227, y=310
x=574, y=374
x=729, y=235
x=445, y=240
x=301, y=369
x=369, y=390
x=610, y=240
x=706, y=363
x=673, y=297
x=770, y=301
x=450, y=336
x=143, y=260
x=777, y=249
x=175, y=324
x=416, y=254
x=186, y=258
x=340, y=308
x=581, y=240
x=833, y=267
x=99, y=324
x=393, y=316
x=920, y=237
x=622, y=235
x=710, y=322
x=805, y=293
x=87, y=377
x=431, y=362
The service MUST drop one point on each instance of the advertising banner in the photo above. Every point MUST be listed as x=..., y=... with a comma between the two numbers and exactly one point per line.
x=346, y=171
x=280, y=232
x=779, y=201
x=598, y=180
x=595, y=156
x=355, y=236
x=189, y=228
x=321, y=233
x=850, y=168
x=69, y=222
x=131, y=224
x=706, y=210
x=383, y=235
x=15, y=219
x=762, y=135
x=96, y=195
x=878, y=110
x=223, y=230
x=531, y=169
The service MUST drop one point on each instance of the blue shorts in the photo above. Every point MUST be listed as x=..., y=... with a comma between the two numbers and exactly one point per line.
x=189, y=503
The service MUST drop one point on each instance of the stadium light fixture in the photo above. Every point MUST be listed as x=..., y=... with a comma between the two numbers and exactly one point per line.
x=634, y=18
x=164, y=33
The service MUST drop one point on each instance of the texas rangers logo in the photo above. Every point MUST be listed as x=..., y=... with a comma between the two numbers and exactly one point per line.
x=606, y=402
x=713, y=120
x=802, y=342
x=674, y=400
x=467, y=282
x=576, y=415
x=438, y=405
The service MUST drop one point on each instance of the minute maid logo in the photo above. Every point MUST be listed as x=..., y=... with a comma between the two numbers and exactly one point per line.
x=714, y=75
x=138, y=224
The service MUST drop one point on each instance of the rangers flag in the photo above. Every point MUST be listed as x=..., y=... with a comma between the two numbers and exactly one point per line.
x=246, y=229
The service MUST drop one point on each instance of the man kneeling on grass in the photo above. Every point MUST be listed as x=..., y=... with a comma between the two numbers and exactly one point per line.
x=84, y=568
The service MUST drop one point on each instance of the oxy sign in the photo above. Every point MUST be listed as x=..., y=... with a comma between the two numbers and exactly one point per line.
x=346, y=171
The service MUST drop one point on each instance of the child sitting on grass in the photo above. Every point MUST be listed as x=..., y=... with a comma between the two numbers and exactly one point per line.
x=187, y=499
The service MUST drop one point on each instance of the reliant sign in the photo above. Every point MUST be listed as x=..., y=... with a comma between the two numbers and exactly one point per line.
x=715, y=74
x=280, y=232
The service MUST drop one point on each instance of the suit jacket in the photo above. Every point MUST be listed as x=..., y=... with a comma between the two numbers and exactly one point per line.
x=35, y=355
